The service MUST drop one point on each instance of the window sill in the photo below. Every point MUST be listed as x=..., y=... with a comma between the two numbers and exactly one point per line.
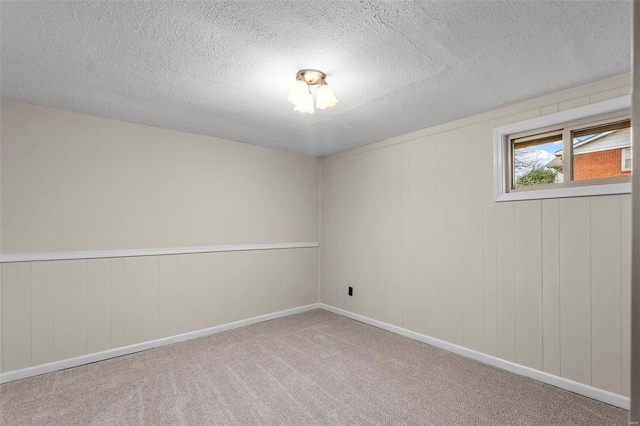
x=574, y=191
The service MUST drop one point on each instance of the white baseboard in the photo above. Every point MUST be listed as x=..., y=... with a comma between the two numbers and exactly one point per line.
x=570, y=385
x=125, y=350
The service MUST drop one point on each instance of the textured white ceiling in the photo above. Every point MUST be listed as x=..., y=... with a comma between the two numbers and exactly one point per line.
x=225, y=68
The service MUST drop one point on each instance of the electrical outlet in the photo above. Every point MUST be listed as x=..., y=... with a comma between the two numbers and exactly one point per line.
x=350, y=291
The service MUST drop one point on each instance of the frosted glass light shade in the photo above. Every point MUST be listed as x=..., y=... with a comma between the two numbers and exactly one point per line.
x=305, y=105
x=298, y=93
x=325, y=96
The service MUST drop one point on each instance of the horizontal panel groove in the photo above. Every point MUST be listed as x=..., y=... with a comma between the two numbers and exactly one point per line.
x=71, y=255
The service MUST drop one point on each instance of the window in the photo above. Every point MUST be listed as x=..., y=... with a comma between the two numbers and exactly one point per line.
x=533, y=161
x=626, y=160
x=588, y=152
x=585, y=151
x=597, y=152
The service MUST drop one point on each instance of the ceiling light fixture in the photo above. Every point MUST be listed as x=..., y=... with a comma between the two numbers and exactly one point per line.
x=301, y=97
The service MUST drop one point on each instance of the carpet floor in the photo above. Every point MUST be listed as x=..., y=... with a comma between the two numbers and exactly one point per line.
x=311, y=368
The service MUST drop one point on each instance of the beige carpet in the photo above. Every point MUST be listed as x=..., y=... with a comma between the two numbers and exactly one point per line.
x=311, y=368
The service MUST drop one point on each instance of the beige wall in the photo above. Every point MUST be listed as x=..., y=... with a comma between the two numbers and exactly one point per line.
x=412, y=225
x=54, y=310
x=74, y=182
x=77, y=182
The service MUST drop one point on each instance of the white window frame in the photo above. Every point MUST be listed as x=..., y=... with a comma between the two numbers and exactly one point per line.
x=501, y=153
x=626, y=154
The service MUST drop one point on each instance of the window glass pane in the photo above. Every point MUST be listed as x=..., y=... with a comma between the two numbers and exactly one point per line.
x=537, y=161
x=602, y=152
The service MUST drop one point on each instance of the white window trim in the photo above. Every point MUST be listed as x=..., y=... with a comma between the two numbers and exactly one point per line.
x=501, y=153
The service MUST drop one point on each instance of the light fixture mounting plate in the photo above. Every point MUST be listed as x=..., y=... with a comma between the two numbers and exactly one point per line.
x=311, y=77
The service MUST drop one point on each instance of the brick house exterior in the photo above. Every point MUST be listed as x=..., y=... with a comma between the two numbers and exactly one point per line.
x=599, y=156
x=599, y=164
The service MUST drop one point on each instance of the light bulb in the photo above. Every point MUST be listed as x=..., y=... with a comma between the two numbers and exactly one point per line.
x=326, y=97
x=298, y=92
